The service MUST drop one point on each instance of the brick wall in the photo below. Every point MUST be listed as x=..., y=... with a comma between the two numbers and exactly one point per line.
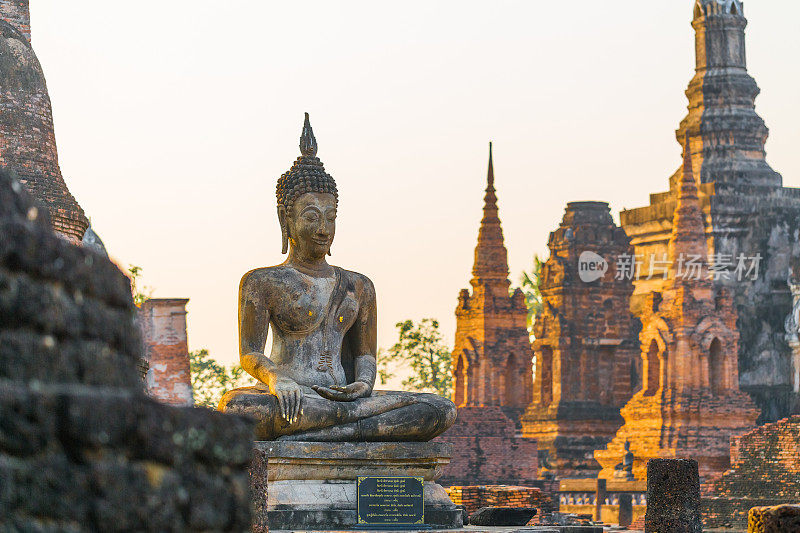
x=486, y=450
x=765, y=471
x=474, y=497
x=163, y=322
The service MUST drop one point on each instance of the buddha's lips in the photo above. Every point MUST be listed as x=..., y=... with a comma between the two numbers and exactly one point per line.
x=321, y=242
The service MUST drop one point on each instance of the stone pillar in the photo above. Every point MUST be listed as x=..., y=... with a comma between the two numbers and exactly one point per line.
x=673, y=496
x=599, y=498
x=163, y=322
x=625, y=509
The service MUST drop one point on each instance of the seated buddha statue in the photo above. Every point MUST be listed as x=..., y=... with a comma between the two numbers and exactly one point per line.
x=317, y=383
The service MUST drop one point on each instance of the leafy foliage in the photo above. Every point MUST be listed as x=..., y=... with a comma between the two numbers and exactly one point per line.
x=420, y=346
x=529, y=284
x=211, y=379
x=140, y=293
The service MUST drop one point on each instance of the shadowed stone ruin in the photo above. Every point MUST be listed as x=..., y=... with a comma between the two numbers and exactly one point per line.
x=81, y=447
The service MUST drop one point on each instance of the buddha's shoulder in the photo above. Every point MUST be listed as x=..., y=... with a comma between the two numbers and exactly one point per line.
x=266, y=276
x=358, y=282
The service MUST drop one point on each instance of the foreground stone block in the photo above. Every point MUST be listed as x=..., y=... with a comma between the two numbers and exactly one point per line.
x=778, y=519
x=673, y=497
x=312, y=485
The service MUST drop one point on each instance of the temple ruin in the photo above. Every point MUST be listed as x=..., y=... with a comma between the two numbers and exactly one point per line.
x=689, y=404
x=752, y=222
x=586, y=347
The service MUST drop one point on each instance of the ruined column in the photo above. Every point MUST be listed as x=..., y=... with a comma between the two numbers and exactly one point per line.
x=163, y=323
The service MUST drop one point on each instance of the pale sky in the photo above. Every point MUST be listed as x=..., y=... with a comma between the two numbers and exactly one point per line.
x=174, y=119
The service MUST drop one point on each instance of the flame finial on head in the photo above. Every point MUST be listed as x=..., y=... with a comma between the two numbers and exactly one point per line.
x=308, y=143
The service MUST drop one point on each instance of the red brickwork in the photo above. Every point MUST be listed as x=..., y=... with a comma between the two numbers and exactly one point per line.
x=586, y=347
x=27, y=138
x=486, y=450
x=765, y=471
x=475, y=497
x=492, y=354
x=166, y=350
x=689, y=404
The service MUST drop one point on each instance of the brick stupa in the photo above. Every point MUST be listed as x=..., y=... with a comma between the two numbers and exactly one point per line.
x=492, y=368
x=690, y=404
x=586, y=346
x=27, y=137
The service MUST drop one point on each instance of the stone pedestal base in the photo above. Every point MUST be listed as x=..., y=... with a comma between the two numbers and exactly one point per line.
x=312, y=485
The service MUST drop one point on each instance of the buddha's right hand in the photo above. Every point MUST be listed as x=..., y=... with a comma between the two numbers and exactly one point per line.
x=290, y=399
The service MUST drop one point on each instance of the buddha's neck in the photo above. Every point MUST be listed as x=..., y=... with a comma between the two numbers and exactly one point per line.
x=310, y=266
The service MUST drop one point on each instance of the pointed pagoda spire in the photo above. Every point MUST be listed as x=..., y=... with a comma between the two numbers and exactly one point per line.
x=491, y=257
x=688, y=240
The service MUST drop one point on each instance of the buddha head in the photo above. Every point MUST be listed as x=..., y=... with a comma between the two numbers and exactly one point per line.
x=307, y=201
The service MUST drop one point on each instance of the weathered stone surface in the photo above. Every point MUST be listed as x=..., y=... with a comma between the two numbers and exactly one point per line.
x=502, y=516
x=673, y=496
x=27, y=138
x=313, y=485
x=81, y=447
x=586, y=351
x=778, y=519
x=746, y=209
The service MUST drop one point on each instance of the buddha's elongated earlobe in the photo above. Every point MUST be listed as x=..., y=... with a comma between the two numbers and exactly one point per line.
x=284, y=229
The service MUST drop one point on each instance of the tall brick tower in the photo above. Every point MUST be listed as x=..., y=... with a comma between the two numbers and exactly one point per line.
x=748, y=212
x=689, y=405
x=27, y=138
x=492, y=368
x=586, y=348
x=492, y=354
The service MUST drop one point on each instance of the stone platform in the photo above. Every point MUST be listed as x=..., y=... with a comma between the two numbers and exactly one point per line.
x=312, y=485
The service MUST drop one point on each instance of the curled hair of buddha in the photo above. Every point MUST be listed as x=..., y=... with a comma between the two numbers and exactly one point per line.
x=307, y=173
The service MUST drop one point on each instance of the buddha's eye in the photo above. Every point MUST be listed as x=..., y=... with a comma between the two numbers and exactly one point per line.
x=332, y=216
x=311, y=216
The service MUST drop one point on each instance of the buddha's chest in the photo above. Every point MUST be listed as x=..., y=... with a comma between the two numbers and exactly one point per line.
x=315, y=303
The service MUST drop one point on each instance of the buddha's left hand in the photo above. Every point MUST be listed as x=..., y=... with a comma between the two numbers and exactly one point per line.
x=355, y=390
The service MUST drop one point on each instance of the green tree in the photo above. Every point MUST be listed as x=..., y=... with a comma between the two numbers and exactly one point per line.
x=211, y=379
x=140, y=292
x=420, y=346
x=529, y=284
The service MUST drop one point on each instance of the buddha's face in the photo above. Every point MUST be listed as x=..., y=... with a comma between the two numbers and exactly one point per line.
x=312, y=223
